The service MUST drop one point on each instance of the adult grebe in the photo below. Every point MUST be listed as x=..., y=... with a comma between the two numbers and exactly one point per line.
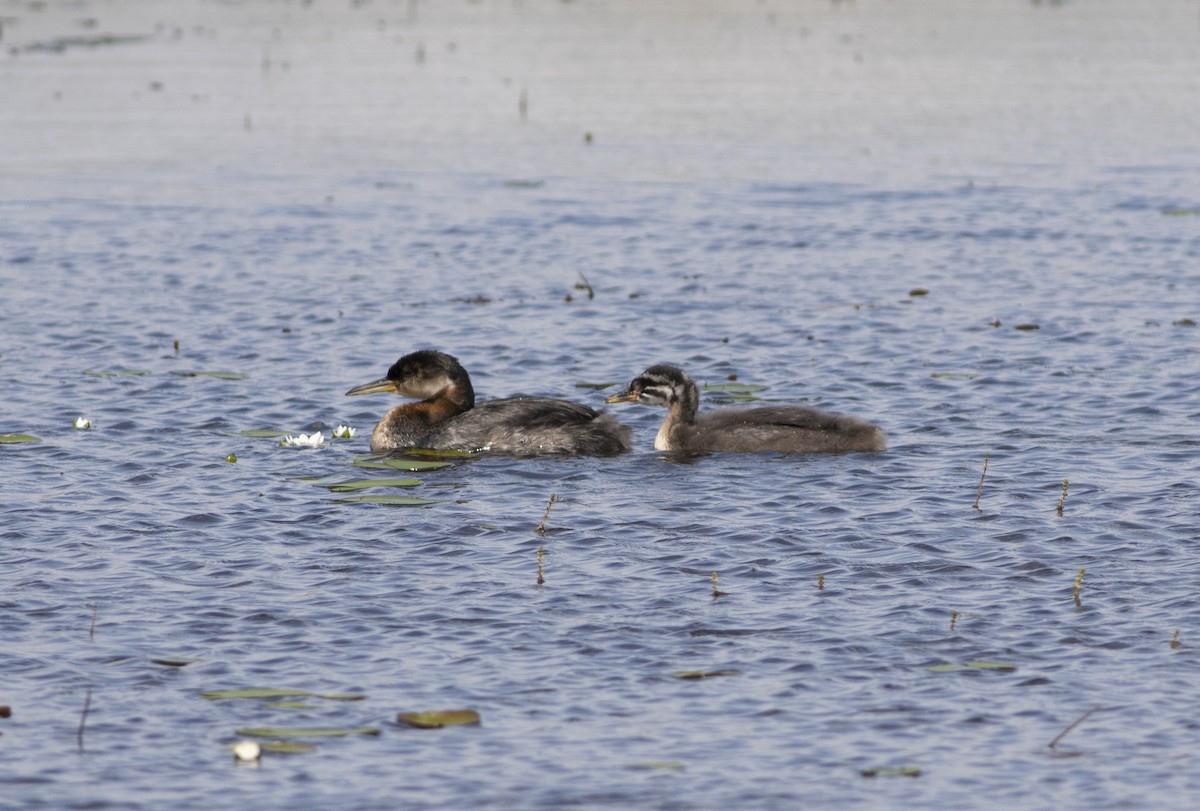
x=743, y=430
x=447, y=417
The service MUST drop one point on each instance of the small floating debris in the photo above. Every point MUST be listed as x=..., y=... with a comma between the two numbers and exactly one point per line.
x=313, y=440
x=83, y=424
x=231, y=458
x=918, y=291
x=1027, y=327
x=436, y=719
x=344, y=432
x=174, y=661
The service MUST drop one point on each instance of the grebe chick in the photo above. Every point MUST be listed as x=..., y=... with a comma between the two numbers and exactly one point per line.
x=447, y=417
x=743, y=430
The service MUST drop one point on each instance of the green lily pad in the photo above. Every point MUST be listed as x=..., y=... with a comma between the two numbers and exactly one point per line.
x=287, y=705
x=950, y=668
x=275, y=692
x=596, y=386
x=892, y=771
x=18, y=439
x=116, y=372
x=174, y=661
x=954, y=375
x=288, y=747
x=401, y=501
x=219, y=375
x=385, y=463
x=703, y=674
x=261, y=433
x=255, y=692
x=306, y=732
x=363, y=484
x=437, y=453
x=435, y=719
x=735, y=388
x=657, y=765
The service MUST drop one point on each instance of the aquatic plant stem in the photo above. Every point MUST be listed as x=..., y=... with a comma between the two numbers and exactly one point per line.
x=1062, y=500
x=541, y=558
x=1071, y=726
x=87, y=706
x=540, y=529
x=979, y=492
x=92, y=629
x=1078, y=586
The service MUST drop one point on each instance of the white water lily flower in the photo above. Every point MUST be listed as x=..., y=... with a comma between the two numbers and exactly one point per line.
x=313, y=440
x=247, y=750
x=344, y=432
x=83, y=423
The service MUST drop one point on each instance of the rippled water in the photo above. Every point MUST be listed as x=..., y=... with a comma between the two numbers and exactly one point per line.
x=903, y=295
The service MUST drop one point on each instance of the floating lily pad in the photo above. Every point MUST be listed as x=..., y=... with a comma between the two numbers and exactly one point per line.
x=892, y=771
x=657, y=765
x=954, y=375
x=363, y=484
x=18, y=439
x=306, y=732
x=275, y=692
x=1181, y=212
x=596, y=386
x=385, y=463
x=261, y=433
x=950, y=668
x=288, y=747
x=255, y=692
x=401, y=501
x=287, y=705
x=116, y=372
x=434, y=719
x=437, y=453
x=735, y=388
x=219, y=375
x=704, y=674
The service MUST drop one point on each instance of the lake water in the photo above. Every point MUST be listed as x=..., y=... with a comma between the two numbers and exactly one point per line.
x=218, y=217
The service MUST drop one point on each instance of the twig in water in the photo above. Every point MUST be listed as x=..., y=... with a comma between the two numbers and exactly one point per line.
x=92, y=630
x=541, y=559
x=979, y=492
x=1175, y=643
x=953, y=619
x=1064, y=497
x=540, y=529
x=1071, y=726
x=1078, y=586
x=87, y=705
x=820, y=582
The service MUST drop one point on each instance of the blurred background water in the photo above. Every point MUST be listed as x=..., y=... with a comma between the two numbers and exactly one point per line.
x=974, y=224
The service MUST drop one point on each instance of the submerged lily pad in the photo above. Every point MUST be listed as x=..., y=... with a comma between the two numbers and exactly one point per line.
x=363, y=484
x=403, y=501
x=950, y=668
x=116, y=372
x=219, y=375
x=287, y=747
x=657, y=765
x=306, y=732
x=18, y=439
x=385, y=463
x=435, y=719
x=704, y=674
x=892, y=771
